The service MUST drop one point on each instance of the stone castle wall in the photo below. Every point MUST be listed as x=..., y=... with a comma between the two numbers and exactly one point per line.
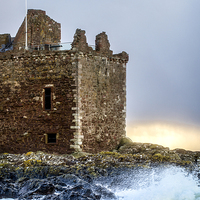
x=23, y=121
x=88, y=101
x=101, y=94
x=102, y=97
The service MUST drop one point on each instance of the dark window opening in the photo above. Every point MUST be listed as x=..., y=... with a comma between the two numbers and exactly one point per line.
x=47, y=98
x=51, y=138
x=106, y=71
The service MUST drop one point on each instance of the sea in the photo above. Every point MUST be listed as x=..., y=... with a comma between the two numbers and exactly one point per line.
x=171, y=183
x=168, y=184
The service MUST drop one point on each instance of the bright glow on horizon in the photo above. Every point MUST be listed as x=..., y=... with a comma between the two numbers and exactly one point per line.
x=168, y=135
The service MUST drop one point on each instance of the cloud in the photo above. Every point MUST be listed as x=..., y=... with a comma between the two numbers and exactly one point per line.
x=161, y=38
x=166, y=134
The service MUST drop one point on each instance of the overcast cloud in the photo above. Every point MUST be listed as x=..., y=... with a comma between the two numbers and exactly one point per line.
x=162, y=38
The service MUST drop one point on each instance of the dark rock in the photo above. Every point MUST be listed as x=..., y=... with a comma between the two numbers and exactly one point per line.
x=79, y=192
x=8, y=191
x=103, y=192
x=57, y=181
x=69, y=179
x=45, y=188
x=87, y=178
x=51, y=197
x=36, y=186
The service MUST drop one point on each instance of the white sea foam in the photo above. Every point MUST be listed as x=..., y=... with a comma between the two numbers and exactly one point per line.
x=7, y=199
x=170, y=184
x=159, y=184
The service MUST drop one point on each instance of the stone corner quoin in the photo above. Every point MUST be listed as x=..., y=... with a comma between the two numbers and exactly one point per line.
x=60, y=101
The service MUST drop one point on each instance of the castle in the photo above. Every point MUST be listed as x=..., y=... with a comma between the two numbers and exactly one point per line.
x=60, y=100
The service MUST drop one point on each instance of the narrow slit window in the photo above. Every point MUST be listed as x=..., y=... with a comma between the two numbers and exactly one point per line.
x=51, y=138
x=47, y=102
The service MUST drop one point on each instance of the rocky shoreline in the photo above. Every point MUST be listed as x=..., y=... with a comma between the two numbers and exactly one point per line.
x=37, y=175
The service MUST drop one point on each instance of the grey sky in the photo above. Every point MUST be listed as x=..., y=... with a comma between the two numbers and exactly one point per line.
x=162, y=38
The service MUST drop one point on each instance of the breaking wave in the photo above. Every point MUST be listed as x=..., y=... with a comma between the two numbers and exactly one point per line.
x=166, y=184
x=171, y=183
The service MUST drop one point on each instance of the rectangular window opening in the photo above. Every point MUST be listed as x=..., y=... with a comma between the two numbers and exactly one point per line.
x=51, y=138
x=47, y=103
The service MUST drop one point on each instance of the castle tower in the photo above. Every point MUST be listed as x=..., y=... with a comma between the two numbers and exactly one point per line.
x=62, y=101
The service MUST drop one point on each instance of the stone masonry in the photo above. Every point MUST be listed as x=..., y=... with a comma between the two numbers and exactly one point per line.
x=63, y=101
x=41, y=30
x=4, y=39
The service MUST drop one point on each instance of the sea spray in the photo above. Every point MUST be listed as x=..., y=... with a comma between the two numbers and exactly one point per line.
x=8, y=199
x=161, y=184
x=166, y=183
